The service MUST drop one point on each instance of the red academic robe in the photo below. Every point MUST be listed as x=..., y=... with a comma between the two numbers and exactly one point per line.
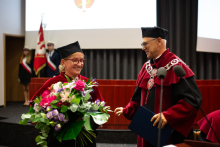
x=52, y=142
x=214, y=119
x=180, y=110
x=61, y=78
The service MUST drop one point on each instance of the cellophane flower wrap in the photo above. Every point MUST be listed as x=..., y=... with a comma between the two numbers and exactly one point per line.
x=65, y=109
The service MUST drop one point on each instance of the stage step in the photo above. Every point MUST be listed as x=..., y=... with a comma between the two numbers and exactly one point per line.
x=15, y=135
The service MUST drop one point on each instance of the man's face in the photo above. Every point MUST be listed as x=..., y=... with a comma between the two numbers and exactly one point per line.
x=50, y=47
x=150, y=47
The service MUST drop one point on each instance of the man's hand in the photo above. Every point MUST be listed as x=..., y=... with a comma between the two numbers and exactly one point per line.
x=156, y=117
x=118, y=111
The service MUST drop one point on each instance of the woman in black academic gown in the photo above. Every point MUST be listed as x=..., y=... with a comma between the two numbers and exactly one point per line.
x=25, y=72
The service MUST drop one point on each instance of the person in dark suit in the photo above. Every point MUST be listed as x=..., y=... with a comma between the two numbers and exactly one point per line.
x=53, y=61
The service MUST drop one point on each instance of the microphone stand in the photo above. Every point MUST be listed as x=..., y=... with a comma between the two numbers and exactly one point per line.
x=159, y=130
x=201, y=109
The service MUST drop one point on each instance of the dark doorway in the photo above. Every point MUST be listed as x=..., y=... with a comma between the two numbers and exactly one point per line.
x=13, y=50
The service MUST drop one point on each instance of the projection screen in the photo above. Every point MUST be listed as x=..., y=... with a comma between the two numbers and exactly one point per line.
x=208, y=35
x=96, y=24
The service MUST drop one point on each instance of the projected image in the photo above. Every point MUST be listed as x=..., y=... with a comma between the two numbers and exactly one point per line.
x=83, y=4
x=90, y=14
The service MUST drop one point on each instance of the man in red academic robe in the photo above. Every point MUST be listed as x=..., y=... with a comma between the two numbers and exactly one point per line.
x=179, y=108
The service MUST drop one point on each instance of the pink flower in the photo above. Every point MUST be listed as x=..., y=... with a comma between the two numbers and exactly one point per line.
x=50, y=99
x=80, y=85
x=45, y=93
x=44, y=102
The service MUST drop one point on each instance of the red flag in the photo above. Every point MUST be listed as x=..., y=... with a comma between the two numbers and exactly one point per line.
x=40, y=52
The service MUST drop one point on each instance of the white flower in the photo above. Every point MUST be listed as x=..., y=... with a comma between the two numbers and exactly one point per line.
x=57, y=86
x=36, y=107
x=102, y=103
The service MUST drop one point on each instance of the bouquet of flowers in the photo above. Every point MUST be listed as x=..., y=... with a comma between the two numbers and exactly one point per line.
x=65, y=109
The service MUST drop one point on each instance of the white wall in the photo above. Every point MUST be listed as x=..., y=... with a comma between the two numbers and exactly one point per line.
x=12, y=21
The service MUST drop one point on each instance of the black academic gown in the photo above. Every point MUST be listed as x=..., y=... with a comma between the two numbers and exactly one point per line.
x=23, y=75
x=177, y=89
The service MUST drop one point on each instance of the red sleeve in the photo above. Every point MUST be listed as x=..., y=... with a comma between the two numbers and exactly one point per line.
x=130, y=110
x=47, y=84
x=181, y=116
x=96, y=94
x=214, y=119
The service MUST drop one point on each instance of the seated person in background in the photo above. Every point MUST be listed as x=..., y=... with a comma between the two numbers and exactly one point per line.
x=206, y=133
x=53, y=61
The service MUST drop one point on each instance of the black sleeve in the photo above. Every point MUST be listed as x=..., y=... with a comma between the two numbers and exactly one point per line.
x=19, y=72
x=182, y=91
x=137, y=95
x=57, y=63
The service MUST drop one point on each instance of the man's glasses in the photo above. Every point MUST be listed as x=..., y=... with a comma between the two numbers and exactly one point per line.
x=145, y=43
x=77, y=61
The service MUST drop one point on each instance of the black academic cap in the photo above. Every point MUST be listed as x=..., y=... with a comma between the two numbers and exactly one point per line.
x=154, y=32
x=69, y=49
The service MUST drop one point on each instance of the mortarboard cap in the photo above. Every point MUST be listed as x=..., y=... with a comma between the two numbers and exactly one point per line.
x=69, y=49
x=154, y=32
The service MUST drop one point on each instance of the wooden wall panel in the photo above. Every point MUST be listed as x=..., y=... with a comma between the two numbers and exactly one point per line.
x=117, y=93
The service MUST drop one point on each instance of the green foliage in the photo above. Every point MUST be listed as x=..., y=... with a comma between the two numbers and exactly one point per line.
x=43, y=115
x=68, y=79
x=70, y=130
x=87, y=96
x=36, y=119
x=31, y=110
x=24, y=121
x=88, y=81
x=64, y=108
x=64, y=84
x=58, y=97
x=76, y=100
x=54, y=106
x=39, y=125
x=37, y=101
x=38, y=139
x=54, y=102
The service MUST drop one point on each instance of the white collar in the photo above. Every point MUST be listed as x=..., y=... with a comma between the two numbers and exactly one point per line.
x=157, y=57
x=51, y=53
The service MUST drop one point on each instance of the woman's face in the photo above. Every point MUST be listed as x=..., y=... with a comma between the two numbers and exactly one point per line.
x=74, y=66
x=26, y=52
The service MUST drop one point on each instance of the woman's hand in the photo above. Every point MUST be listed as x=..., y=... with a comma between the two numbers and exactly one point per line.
x=118, y=111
